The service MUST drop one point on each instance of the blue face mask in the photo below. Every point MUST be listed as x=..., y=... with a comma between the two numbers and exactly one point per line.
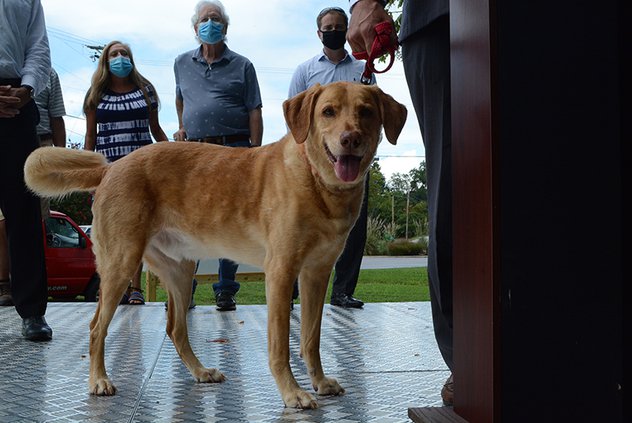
x=121, y=66
x=210, y=32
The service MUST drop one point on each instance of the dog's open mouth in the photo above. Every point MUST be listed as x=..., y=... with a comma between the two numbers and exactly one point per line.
x=346, y=166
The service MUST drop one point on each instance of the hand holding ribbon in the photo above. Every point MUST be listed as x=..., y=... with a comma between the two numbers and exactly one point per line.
x=382, y=43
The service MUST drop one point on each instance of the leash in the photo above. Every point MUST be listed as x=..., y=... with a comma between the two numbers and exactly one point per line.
x=381, y=44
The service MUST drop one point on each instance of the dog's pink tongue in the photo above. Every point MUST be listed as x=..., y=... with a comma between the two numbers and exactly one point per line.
x=347, y=168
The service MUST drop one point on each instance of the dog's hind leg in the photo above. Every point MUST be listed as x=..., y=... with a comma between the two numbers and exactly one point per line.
x=279, y=284
x=115, y=271
x=313, y=288
x=176, y=277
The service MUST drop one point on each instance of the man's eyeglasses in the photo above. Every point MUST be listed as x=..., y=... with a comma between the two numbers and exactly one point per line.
x=331, y=9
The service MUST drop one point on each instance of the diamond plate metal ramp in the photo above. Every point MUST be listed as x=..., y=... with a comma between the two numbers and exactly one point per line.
x=385, y=356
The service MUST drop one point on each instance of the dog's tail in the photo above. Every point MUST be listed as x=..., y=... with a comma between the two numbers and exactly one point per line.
x=54, y=172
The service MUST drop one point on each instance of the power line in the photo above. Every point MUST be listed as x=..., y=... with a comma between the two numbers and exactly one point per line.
x=397, y=157
x=68, y=36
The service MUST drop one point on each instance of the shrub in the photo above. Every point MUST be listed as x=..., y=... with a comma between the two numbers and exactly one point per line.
x=423, y=243
x=76, y=205
x=375, y=237
x=404, y=248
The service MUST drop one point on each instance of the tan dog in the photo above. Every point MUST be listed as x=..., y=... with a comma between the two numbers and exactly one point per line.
x=286, y=207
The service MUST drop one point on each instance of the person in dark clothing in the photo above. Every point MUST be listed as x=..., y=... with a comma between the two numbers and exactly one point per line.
x=334, y=64
x=24, y=70
x=425, y=41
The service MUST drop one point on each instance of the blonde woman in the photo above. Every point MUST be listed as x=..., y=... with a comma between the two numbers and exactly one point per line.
x=121, y=109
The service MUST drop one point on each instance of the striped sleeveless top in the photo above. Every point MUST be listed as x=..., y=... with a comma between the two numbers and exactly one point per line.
x=123, y=122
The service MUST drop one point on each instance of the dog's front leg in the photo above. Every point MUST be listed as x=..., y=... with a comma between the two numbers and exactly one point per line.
x=279, y=296
x=313, y=287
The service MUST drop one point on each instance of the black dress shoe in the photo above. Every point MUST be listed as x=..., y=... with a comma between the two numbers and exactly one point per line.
x=36, y=329
x=344, y=300
x=225, y=301
x=447, y=392
x=5, y=293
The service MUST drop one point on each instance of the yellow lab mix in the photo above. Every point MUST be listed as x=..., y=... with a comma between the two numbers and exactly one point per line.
x=286, y=207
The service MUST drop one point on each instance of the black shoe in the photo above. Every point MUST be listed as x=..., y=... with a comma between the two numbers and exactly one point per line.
x=447, y=392
x=5, y=293
x=344, y=300
x=225, y=301
x=193, y=288
x=36, y=329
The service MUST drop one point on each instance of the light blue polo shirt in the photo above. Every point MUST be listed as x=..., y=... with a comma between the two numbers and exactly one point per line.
x=319, y=69
x=217, y=98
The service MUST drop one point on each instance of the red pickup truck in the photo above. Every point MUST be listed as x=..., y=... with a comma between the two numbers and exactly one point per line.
x=70, y=262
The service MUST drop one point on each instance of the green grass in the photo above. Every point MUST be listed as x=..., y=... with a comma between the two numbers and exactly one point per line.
x=374, y=286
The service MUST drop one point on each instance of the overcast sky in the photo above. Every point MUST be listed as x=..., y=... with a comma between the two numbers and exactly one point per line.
x=275, y=35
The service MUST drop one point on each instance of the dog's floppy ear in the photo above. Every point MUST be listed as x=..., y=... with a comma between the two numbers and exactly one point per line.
x=298, y=112
x=393, y=115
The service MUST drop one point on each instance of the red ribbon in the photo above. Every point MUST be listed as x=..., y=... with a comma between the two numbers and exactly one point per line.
x=383, y=43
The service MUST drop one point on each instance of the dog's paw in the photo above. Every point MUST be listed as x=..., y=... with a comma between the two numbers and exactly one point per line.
x=209, y=376
x=102, y=387
x=329, y=386
x=299, y=399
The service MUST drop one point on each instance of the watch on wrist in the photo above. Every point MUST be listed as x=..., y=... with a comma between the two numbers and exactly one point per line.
x=31, y=91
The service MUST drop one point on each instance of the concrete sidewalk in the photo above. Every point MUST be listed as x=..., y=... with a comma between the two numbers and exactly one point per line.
x=393, y=262
x=209, y=266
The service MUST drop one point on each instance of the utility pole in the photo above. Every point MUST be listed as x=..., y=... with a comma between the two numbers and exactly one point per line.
x=96, y=51
x=407, y=208
x=393, y=211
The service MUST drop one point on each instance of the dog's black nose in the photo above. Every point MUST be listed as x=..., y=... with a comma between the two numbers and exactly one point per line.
x=350, y=139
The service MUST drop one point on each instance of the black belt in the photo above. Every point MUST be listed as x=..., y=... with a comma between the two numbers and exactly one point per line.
x=14, y=82
x=46, y=137
x=223, y=139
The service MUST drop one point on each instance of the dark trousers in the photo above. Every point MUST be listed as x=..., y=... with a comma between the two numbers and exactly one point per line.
x=426, y=57
x=21, y=209
x=347, y=267
x=226, y=273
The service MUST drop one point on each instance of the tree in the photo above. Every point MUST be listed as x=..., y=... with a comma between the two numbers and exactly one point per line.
x=394, y=8
x=399, y=185
x=418, y=183
x=76, y=205
x=402, y=200
x=379, y=196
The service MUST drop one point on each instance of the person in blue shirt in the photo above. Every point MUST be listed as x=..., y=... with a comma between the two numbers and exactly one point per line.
x=334, y=64
x=218, y=101
x=24, y=70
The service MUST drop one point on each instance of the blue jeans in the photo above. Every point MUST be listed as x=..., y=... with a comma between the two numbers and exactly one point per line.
x=228, y=268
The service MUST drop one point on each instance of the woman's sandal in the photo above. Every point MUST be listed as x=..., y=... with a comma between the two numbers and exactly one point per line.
x=5, y=293
x=136, y=297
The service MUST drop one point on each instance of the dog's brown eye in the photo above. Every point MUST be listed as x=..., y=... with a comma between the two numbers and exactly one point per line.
x=365, y=112
x=329, y=112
